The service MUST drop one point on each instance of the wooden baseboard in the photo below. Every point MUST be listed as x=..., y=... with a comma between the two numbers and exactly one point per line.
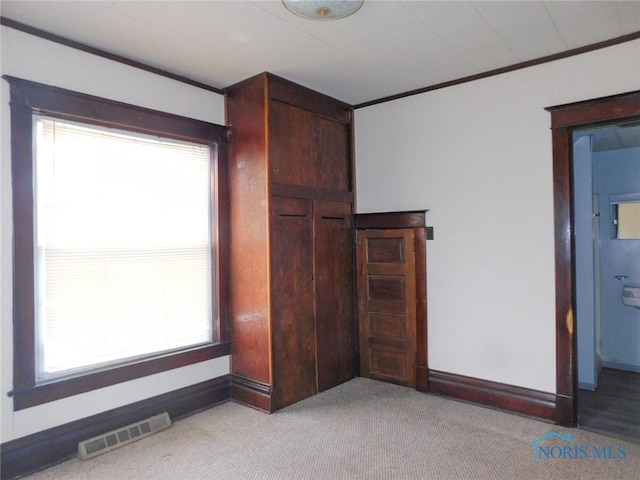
x=525, y=401
x=422, y=378
x=251, y=393
x=44, y=449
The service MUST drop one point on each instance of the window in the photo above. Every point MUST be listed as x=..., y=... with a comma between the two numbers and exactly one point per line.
x=119, y=221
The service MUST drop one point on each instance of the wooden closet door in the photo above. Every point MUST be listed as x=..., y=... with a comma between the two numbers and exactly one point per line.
x=335, y=326
x=387, y=305
x=292, y=301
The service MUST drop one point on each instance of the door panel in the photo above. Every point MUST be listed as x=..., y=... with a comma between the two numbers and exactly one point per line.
x=335, y=326
x=294, y=352
x=291, y=145
x=307, y=149
x=387, y=305
x=332, y=141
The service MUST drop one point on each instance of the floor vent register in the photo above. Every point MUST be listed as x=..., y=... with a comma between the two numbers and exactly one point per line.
x=122, y=436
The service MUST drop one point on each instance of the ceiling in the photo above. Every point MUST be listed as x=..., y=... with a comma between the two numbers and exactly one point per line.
x=612, y=137
x=385, y=49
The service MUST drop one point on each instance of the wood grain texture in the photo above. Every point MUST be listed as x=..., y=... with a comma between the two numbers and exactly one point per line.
x=251, y=393
x=292, y=281
x=422, y=377
x=249, y=258
x=335, y=293
x=387, y=305
x=388, y=250
x=292, y=286
x=300, y=137
x=408, y=219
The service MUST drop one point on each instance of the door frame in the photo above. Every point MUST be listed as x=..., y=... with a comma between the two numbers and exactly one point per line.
x=414, y=219
x=564, y=120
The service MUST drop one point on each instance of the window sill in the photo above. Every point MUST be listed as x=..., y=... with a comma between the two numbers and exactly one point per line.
x=49, y=392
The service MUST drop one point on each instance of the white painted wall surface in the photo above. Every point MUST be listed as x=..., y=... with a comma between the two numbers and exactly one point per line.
x=31, y=58
x=479, y=157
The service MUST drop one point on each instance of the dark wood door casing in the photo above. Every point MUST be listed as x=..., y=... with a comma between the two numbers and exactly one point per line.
x=387, y=228
x=564, y=120
x=386, y=305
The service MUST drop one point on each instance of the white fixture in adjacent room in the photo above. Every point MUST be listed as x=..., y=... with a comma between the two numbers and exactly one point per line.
x=631, y=295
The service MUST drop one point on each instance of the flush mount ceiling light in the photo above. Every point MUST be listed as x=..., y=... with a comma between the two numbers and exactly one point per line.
x=323, y=9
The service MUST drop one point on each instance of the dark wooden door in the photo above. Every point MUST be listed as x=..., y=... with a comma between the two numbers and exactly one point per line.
x=387, y=305
x=335, y=326
x=292, y=304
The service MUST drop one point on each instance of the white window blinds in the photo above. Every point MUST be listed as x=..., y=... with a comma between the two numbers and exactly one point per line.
x=123, y=246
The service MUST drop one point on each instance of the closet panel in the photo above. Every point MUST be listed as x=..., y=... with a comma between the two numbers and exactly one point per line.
x=334, y=287
x=292, y=301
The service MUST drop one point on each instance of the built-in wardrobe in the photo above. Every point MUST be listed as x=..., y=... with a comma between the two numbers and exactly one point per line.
x=291, y=251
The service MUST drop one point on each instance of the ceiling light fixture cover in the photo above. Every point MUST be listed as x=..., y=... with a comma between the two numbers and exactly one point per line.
x=323, y=9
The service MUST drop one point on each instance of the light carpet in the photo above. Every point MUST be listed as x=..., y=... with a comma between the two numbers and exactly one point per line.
x=362, y=429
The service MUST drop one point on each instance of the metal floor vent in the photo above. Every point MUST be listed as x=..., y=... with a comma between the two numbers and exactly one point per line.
x=122, y=436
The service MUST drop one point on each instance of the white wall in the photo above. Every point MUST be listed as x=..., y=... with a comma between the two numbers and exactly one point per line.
x=479, y=156
x=31, y=58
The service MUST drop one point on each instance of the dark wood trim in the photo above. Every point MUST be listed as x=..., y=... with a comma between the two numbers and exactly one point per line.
x=223, y=201
x=409, y=219
x=422, y=370
x=525, y=401
x=23, y=225
x=54, y=445
x=564, y=120
x=286, y=91
x=36, y=395
x=313, y=193
x=7, y=22
x=28, y=98
x=71, y=105
x=416, y=221
x=564, y=277
x=251, y=393
x=619, y=107
x=498, y=71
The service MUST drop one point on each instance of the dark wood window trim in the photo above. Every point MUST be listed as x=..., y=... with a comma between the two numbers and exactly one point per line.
x=29, y=98
x=564, y=120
